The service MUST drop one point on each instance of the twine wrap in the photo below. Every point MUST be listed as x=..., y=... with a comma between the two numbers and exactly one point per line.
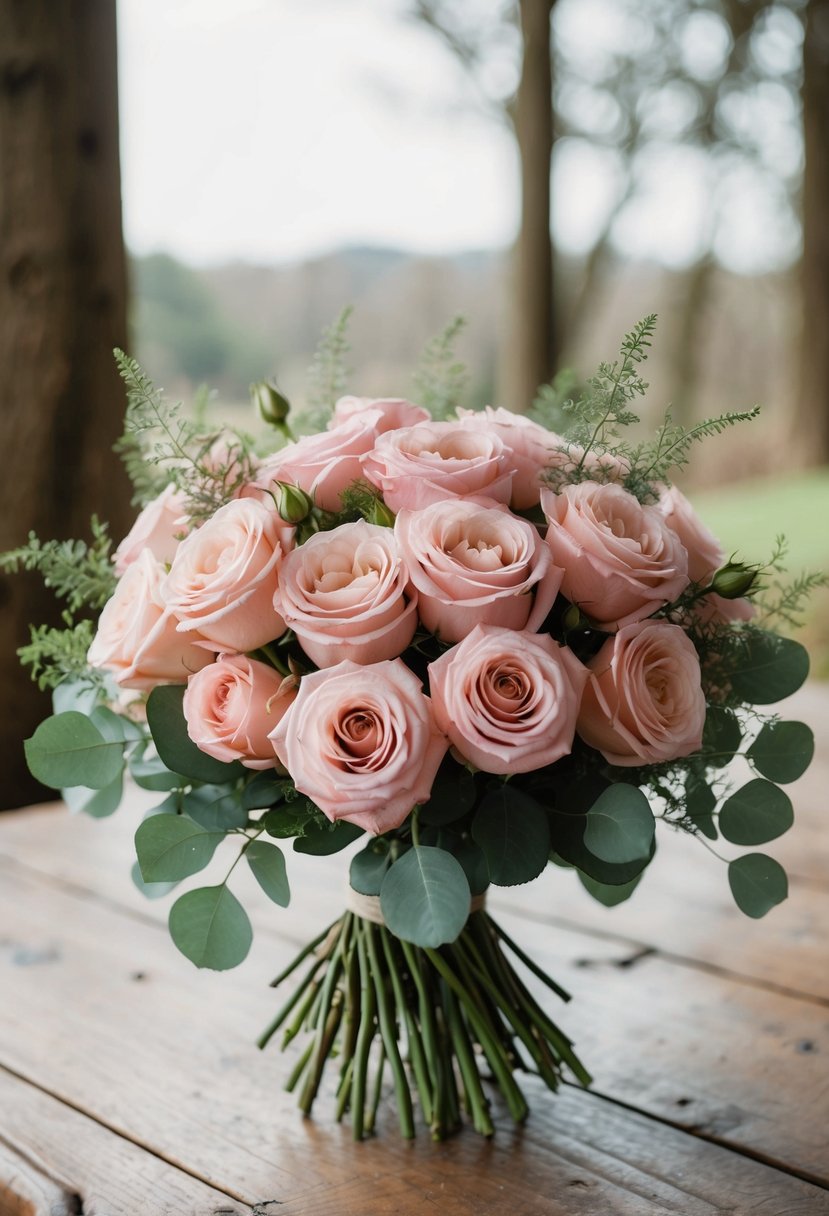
x=368, y=906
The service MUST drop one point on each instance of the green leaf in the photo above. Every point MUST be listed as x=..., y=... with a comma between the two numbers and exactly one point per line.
x=211, y=928
x=267, y=862
x=607, y=895
x=770, y=669
x=150, y=890
x=68, y=749
x=170, y=847
x=214, y=808
x=177, y=750
x=700, y=801
x=512, y=830
x=620, y=825
x=473, y=859
x=567, y=833
x=74, y=694
x=368, y=868
x=425, y=897
x=115, y=727
x=783, y=751
x=321, y=842
x=263, y=791
x=292, y=819
x=153, y=775
x=721, y=736
x=453, y=794
x=756, y=813
x=758, y=883
x=97, y=803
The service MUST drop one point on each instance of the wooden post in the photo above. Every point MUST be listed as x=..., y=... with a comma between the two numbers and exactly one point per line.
x=62, y=310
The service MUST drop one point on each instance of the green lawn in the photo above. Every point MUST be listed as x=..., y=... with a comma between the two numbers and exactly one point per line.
x=748, y=516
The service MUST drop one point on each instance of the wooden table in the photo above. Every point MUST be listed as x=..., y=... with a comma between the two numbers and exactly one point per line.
x=129, y=1083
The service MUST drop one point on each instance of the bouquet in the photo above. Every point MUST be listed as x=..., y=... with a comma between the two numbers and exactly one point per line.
x=469, y=644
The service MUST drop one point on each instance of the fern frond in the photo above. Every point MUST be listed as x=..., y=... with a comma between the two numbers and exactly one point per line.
x=328, y=373
x=440, y=380
x=78, y=572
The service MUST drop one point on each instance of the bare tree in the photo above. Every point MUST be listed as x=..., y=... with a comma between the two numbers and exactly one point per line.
x=62, y=309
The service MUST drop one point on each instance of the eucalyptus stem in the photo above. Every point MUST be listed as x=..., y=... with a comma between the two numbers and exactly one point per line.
x=371, y=1118
x=365, y=1036
x=388, y=1032
x=303, y=954
x=413, y=1036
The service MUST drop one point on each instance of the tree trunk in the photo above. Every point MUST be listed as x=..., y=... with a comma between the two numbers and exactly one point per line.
x=530, y=357
x=810, y=440
x=62, y=309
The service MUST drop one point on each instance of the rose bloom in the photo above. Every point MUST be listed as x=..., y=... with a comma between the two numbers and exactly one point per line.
x=361, y=742
x=474, y=564
x=157, y=528
x=393, y=412
x=224, y=575
x=507, y=700
x=418, y=465
x=138, y=638
x=232, y=705
x=325, y=464
x=533, y=448
x=347, y=595
x=705, y=556
x=644, y=702
x=620, y=559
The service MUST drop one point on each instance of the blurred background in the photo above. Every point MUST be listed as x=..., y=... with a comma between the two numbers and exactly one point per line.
x=209, y=182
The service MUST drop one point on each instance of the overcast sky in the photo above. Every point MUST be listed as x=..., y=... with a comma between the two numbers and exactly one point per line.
x=270, y=130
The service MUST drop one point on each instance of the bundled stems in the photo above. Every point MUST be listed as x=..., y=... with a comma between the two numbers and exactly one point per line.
x=441, y=1021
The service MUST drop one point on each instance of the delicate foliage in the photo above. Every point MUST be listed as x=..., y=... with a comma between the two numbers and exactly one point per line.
x=548, y=409
x=441, y=380
x=328, y=374
x=76, y=571
x=56, y=655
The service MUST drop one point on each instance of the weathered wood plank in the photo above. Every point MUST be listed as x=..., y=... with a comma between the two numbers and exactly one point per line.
x=693, y=1048
x=55, y=1161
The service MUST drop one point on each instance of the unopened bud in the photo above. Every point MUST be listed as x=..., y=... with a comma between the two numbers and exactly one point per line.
x=292, y=503
x=272, y=406
x=380, y=514
x=734, y=580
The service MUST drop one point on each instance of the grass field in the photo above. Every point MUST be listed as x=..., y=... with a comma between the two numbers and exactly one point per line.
x=747, y=517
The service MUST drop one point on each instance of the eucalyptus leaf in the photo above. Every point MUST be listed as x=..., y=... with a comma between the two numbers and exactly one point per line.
x=171, y=847
x=758, y=883
x=267, y=861
x=700, y=801
x=214, y=808
x=756, y=813
x=512, y=831
x=321, y=842
x=620, y=825
x=68, y=749
x=263, y=791
x=211, y=928
x=721, y=736
x=96, y=803
x=153, y=775
x=453, y=795
x=177, y=750
x=567, y=832
x=74, y=694
x=116, y=727
x=150, y=890
x=368, y=869
x=292, y=819
x=425, y=897
x=770, y=668
x=473, y=859
x=783, y=751
x=607, y=895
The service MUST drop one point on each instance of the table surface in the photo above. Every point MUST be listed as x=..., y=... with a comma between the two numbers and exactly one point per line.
x=130, y=1083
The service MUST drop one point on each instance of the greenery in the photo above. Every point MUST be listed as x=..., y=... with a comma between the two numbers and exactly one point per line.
x=441, y=380
x=327, y=375
x=78, y=571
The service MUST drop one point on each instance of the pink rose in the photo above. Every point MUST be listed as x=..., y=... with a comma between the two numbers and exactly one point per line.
x=644, y=702
x=157, y=528
x=138, y=638
x=419, y=465
x=224, y=576
x=533, y=448
x=703, y=549
x=323, y=465
x=346, y=594
x=232, y=705
x=508, y=701
x=394, y=412
x=361, y=742
x=476, y=565
x=620, y=559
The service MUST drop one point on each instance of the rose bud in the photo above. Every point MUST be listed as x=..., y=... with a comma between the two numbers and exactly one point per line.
x=292, y=503
x=272, y=406
x=734, y=580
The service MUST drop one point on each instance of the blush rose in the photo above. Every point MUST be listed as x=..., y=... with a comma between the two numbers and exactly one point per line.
x=418, y=465
x=392, y=412
x=224, y=575
x=158, y=528
x=346, y=594
x=644, y=702
x=507, y=700
x=325, y=464
x=362, y=743
x=620, y=559
x=138, y=638
x=232, y=705
x=474, y=564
